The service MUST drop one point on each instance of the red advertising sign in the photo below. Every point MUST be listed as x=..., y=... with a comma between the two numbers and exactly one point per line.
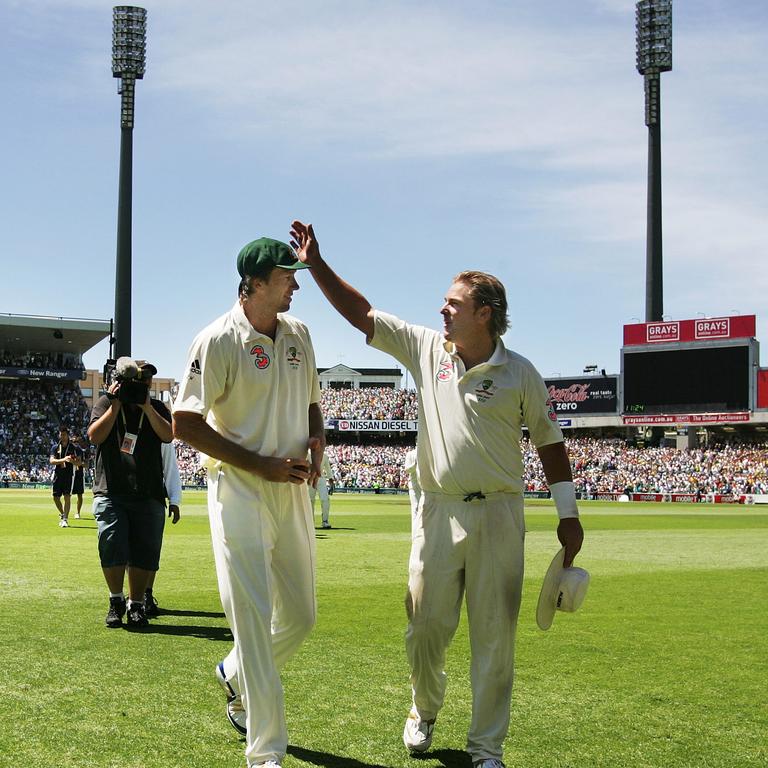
x=648, y=497
x=717, y=328
x=726, y=498
x=678, y=498
x=701, y=329
x=686, y=418
x=658, y=332
x=762, y=388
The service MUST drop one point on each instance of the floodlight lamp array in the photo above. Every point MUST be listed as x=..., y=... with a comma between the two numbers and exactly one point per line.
x=653, y=22
x=129, y=42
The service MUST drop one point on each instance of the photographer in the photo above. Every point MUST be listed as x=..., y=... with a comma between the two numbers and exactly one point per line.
x=128, y=427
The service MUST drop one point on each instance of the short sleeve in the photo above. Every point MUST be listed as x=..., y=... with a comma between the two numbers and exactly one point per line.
x=538, y=411
x=99, y=409
x=205, y=377
x=398, y=338
x=313, y=385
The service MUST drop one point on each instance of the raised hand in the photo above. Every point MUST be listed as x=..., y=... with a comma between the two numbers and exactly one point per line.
x=304, y=242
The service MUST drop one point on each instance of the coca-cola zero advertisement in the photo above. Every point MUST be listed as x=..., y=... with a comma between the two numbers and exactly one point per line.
x=592, y=394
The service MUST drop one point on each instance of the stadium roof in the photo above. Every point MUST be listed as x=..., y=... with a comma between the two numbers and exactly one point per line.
x=35, y=333
x=341, y=368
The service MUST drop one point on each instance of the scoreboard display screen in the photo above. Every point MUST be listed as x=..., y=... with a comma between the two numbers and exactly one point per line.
x=692, y=380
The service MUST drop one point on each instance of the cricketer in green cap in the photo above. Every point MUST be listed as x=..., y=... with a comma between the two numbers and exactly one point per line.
x=260, y=256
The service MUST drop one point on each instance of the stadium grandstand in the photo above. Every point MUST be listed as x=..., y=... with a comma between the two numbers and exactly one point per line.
x=685, y=420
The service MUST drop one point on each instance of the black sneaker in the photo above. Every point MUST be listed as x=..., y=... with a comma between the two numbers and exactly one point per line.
x=115, y=613
x=151, y=608
x=136, y=617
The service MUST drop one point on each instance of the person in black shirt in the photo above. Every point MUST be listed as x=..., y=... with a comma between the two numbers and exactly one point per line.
x=63, y=461
x=129, y=493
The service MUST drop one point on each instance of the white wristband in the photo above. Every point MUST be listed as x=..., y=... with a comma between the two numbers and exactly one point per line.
x=564, y=496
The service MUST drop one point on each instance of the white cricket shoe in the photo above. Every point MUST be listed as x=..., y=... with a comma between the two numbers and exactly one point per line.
x=235, y=709
x=417, y=734
x=63, y=523
x=268, y=764
x=488, y=762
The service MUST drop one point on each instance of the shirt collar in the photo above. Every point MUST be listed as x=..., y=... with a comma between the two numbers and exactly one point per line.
x=248, y=333
x=499, y=355
x=497, y=358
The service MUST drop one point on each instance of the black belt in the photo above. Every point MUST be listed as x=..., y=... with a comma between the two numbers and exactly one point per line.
x=474, y=495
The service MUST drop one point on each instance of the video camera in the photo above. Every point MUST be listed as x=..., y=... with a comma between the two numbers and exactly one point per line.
x=134, y=381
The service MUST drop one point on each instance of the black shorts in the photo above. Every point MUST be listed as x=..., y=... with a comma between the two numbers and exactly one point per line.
x=62, y=486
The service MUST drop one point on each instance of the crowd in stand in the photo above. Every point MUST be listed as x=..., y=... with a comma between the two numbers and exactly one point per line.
x=32, y=411
x=369, y=403
x=188, y=460
x=61, y=360
x=368, y=466
x=612, y=466
x=30, y=415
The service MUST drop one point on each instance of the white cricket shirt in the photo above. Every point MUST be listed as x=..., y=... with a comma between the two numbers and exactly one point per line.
x=254, y=391
x=470, y=422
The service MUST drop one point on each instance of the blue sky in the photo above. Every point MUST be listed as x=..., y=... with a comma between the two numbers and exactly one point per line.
x=420, y=138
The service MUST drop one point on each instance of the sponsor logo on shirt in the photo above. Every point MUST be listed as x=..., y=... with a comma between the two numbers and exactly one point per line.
x=486, y=390
x=260, y=357
x=551, y=410
x=294, y=357
x=194, y=369
x=446, y=371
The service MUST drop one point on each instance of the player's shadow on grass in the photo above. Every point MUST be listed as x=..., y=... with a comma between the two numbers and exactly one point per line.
x=450, y=758
x=203, y=633
x=323, y=532
x=201, y=614
x=328, y=760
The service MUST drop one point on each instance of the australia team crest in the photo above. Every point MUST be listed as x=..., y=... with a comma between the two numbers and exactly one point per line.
x=293, y=358
x=486, y=390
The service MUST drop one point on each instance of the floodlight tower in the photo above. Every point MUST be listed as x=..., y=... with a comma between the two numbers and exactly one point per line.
x=653, y=20
x=129, y=43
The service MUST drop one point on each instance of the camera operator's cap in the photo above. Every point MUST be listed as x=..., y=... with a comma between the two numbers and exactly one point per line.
x=564, y=589
x=143, y=365
x=264, y=253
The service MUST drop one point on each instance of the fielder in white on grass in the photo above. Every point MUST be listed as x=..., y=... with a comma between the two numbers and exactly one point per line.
x=249, y=400
x=322, y=490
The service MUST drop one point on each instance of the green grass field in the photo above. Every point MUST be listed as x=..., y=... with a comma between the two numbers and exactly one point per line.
x=665, y=665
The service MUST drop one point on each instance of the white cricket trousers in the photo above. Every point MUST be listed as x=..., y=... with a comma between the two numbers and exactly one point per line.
x=325, y=499
x=264, y=547
x=471, y=549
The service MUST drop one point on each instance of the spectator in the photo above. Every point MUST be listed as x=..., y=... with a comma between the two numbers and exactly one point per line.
x=63, y=458
x=324, y=479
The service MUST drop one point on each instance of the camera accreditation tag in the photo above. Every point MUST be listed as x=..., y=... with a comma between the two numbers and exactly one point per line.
x=129, y=443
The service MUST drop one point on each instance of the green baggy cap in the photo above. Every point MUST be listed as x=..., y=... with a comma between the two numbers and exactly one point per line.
x=264, y=253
